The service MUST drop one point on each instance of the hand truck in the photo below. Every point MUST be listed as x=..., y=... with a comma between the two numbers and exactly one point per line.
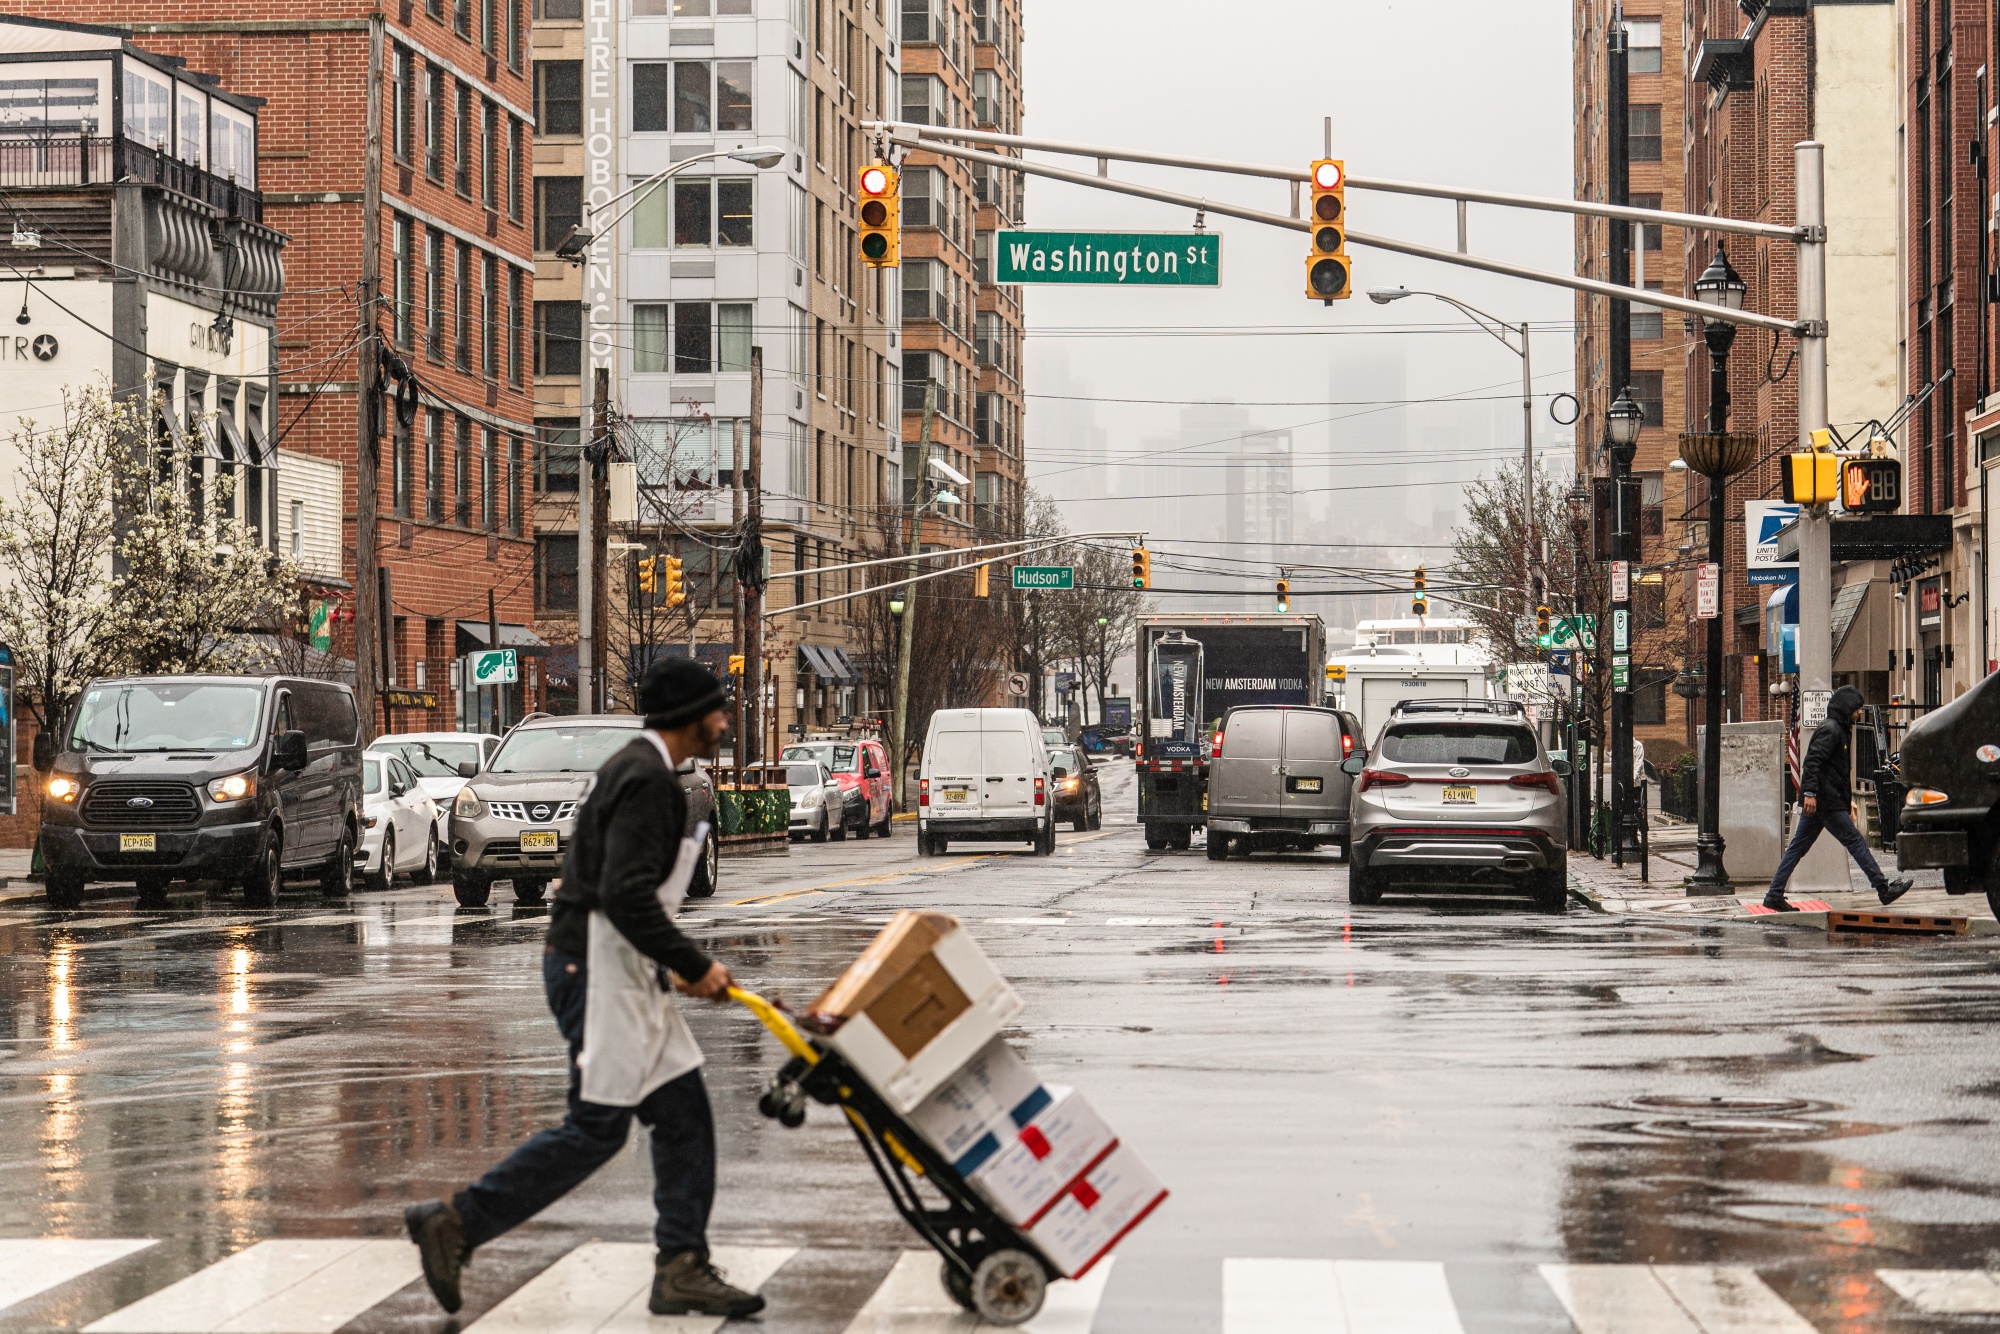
x=990, y=1267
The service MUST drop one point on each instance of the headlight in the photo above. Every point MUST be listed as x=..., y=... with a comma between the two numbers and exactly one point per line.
x=233, y=788
x=64, y=789
x=1069, y=783
x=467, y=805
x=1924, y=796
x=810, y=799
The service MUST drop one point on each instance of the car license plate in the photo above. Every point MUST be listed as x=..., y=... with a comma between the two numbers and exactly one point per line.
x=137, y=843
x=954, y=794
x=1308, y=784
x=1461, y=796
x=538, y=840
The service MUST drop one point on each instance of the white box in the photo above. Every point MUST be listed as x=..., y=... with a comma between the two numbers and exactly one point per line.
x=1027, y=1176
x=980, y=1110
x=1096, y=1211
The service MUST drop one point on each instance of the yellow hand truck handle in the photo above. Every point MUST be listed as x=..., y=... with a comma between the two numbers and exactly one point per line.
x=774, y=1019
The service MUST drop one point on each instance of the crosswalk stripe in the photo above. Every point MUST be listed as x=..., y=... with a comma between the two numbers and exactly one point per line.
x=1671, y=1299
x=602, y=1287
x=1336, y=1297
x=275, y=1287
x=912, y=1300
x=1947, y=1291
x=34, y=1265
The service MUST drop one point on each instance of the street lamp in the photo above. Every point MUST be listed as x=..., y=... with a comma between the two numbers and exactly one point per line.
x=1717, y=453
x=579, y=238
x=1579, y=528
x=1623, y=420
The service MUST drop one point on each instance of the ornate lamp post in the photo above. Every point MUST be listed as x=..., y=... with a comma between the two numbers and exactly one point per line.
x=1622, y=423
x=1717, y=454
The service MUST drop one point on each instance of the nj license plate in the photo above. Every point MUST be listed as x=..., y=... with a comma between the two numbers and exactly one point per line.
x=1461, y=796
x=954, y=794
x=137, y=843
x=1308, y=784
x=538, y=840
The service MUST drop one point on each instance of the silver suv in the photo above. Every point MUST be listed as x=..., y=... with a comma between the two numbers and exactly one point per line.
x=513, y=820
x=1458, y=794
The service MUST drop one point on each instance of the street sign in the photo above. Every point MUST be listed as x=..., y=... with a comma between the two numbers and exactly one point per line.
x=493, y=667
x=1621, y=581
x=1336, y=671
x=1559, y=662
x=1621, y=633
x=1571, y=632
x=1621, y=673
x=1045, y=576
x=1113, y=259
x=1017, y=684
x=1708, y=591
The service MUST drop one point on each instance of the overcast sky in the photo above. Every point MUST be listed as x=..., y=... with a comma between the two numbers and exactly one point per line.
x=1447, y=91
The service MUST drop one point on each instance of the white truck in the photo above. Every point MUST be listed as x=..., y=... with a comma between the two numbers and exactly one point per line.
x=1373, y=680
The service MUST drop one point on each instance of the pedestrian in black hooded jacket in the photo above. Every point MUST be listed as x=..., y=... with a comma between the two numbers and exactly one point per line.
x=1823, y=790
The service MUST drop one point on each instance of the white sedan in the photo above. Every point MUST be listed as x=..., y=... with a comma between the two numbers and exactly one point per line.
x=399, y=824
x=435, y=757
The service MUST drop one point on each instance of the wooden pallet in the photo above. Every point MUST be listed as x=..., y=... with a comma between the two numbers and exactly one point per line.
x=1892, y=923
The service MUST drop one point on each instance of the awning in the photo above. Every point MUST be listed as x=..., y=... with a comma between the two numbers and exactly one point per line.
x=1862, y=637
x=815, y=660
x=842, y=664
x=472, y=635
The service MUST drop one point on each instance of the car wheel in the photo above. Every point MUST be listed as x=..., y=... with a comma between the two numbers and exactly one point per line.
x=1180, y=838
x=1363, y=885
x=1097, y=817
x=1218, y=846
x=530, y=889
x=838, y=832
x=1048, y=839
x=471, y=891
x=336, y=878
x=383, y=878
x=1156, y=838
x=702, y=886
x=152, y=888
x=62, y=889
x=261, y=886
x=1551, y=887
x=427, y=874
x=1993, y=899
x=818, y=834
x=887, y=827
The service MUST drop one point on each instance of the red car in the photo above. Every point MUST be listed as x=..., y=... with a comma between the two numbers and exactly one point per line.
x=861, y=767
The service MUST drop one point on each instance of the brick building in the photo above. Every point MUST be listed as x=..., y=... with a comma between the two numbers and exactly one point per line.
x=444, y=88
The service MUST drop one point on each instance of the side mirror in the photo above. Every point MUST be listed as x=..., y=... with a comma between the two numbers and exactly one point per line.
x=468, y=768
x=1560, y=767
x=44, y=752
x=1354, y=763
x=1059, y=772
x=873, y=772
x=288, y=750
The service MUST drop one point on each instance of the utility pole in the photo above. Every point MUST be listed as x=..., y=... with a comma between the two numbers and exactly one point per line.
x=752, y=554
x=600, y=557
x=368, y=395
x=1815, y=550
x=742, y=590
x=586, y=543
x=1536, y=565
x=1623, y=554
x=908, y=629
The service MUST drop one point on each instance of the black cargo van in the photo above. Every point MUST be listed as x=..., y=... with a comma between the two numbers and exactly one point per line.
x=238, y=779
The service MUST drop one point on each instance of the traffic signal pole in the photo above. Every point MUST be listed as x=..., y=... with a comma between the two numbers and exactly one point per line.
x=1624, y=552
x=1815, y=554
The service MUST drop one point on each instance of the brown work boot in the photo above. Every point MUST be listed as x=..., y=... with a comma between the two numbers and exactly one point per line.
x=685, y=1283
x=440, y=1236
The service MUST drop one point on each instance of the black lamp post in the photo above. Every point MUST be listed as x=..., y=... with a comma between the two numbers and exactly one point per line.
x=1579, y=760
x=1717, y=454
x=1623, y=421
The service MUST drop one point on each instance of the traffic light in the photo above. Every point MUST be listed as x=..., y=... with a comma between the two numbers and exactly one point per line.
x=1811, y=479
x=1142, y=568
x=1327, y=269
x=980, y=585
x=1420, y=603
x=1284, y=595
x=648, y=581
x=1542, y=626
x=676, y=586
x=1872, y=485
x=736, y=664
x=881, y=217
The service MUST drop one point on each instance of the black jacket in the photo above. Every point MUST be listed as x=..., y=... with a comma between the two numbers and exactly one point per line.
x=1824, y=771
x=627, y=836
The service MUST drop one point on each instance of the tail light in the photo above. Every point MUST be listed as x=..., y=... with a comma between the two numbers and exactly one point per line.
x=1346, y=744
x=1379, y=778
x=1546, y=780
x=1041, y=791
x=1216, y=752
x=1916, y=796
x=923, y=792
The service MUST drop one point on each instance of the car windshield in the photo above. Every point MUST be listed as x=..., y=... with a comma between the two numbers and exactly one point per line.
x=1064, y=759
x=836, y=757
x=432, y=759
x=168, y=715
x=371, y=775
x=544, y=750
x=1458, y=743
x=802, y=775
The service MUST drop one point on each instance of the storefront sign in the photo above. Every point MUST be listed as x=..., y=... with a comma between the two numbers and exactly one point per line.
x=1763, y=520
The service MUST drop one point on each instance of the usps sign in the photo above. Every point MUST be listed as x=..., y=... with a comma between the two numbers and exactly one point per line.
x=1762, y=520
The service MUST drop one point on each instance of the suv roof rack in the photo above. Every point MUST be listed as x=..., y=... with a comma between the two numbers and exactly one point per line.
x=1464, y=704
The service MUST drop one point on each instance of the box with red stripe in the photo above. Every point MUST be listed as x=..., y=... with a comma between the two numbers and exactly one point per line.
x=1064, y=1140
x=1096, y=1211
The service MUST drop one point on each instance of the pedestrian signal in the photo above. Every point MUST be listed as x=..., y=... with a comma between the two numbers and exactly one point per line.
x=1872, y=486
x=881, y=220
x=1328, y=273
x=1284, y=595
x=648, y=581
x=1142, y=568
x=676, y=585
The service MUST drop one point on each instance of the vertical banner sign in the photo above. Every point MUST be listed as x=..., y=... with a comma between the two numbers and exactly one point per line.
x=600, y=186
x=1621, y=581
x=1708, y=591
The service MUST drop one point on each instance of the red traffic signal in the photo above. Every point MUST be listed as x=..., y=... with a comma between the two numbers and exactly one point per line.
x=881, y=223
x=1328, y=273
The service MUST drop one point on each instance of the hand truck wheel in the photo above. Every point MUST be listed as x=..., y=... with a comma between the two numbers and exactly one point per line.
x=958, y=1284
x=792, y=1107
x=1008, y=1287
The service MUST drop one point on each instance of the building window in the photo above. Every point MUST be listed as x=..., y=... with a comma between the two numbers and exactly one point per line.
x=733, y=111
x=1647, y=325
x=694, y=212
x=558, y=98
x=402, y=124
x=558, y=9
x=434, y=467
x=985, y=97
x=1649, y=695
x=461, y=306
x=1648, y=393
x=399, y=470
x=489, y=26
x=693, y=338
x=732, y=341
x=694, y=98
x=514, y=485
x=403, y=277
x=986, y=338
x=733, y=208
x=558, y=338
x=434, y=294
x=925, y=101
x=489, y=463
x=925, y=21
x=516, y=164
x=650, y=324
x=1642, y=46
x=1652, y=504
x=513, y=325
x=462, y=474
x=489, y=317
x=923, y=297
x=513, y=33
x=555, y=572
x=982, y=257
x=652, y=97
x=1647, y=235
x=915, y=188
x=298, y=545
x=461, y=166
x=916, y=375
x=489, y=155
x=558, y=209
x=556, y=451
x=1642, y=133
x=461, y=17
x=433, y=122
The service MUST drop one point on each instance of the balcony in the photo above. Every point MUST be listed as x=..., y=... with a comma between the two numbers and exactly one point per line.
x=51, y=162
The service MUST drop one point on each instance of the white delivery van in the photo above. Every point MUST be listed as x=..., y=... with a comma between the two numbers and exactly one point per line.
x=1378, y=680
x=985, y=777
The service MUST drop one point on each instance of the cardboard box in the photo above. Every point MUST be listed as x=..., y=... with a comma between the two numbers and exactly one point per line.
x=1096, y=1211
x=980, y=1110
x=918, y=1003
x=1065, y=1139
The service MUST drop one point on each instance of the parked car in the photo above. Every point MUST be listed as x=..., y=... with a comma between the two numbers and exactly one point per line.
x=819, y=803
x=435, y=758
x=1275, y=782
x=1055, y=736
x=1458, y=795
x=399, y=824
x=985, y=777
x=1079, y=799
x=1948, y=773
x=861, y=767
x=240, y=779
x=513, y=819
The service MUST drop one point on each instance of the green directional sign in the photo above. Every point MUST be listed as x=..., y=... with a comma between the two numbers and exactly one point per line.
x=1110, y=259
x=1044, y=576
x=494, y=667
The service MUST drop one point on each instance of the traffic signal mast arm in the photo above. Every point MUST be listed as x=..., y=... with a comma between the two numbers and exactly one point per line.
x=1007, y=551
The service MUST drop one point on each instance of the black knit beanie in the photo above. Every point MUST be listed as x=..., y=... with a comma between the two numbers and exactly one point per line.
x=673, y=692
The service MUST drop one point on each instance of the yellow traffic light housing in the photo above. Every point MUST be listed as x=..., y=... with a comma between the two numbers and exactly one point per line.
x=1328, y=273
x=648, y=581
x=1420, y=603
x=1541, y=620
x=881, y=217
x=736, y=664
x=1811, y=479
x=676, y=585
x=1284, y=595
x=1142, y=568
x=981, y=587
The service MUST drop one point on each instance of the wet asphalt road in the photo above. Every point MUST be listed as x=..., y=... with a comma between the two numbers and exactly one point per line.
x=1457, y=1083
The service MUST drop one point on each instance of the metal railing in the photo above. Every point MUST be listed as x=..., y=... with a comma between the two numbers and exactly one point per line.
x=88, y=159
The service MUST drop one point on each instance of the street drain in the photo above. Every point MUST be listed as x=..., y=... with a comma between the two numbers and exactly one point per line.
x=1733, y=1127
x=1721, y=1106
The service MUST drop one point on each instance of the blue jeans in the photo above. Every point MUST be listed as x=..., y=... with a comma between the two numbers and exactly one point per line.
x=556, y=1161
x=1837, y=820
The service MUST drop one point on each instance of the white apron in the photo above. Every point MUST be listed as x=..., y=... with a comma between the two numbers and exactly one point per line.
x=634, y=1039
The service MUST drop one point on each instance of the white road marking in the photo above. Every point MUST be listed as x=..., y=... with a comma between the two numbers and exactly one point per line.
x=275, y=1287
x=1947, y=1291
x=1329, y=1297
x=602, y=1288
x=1671, y=1299
x=912, y=1300
x=30, y=1266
